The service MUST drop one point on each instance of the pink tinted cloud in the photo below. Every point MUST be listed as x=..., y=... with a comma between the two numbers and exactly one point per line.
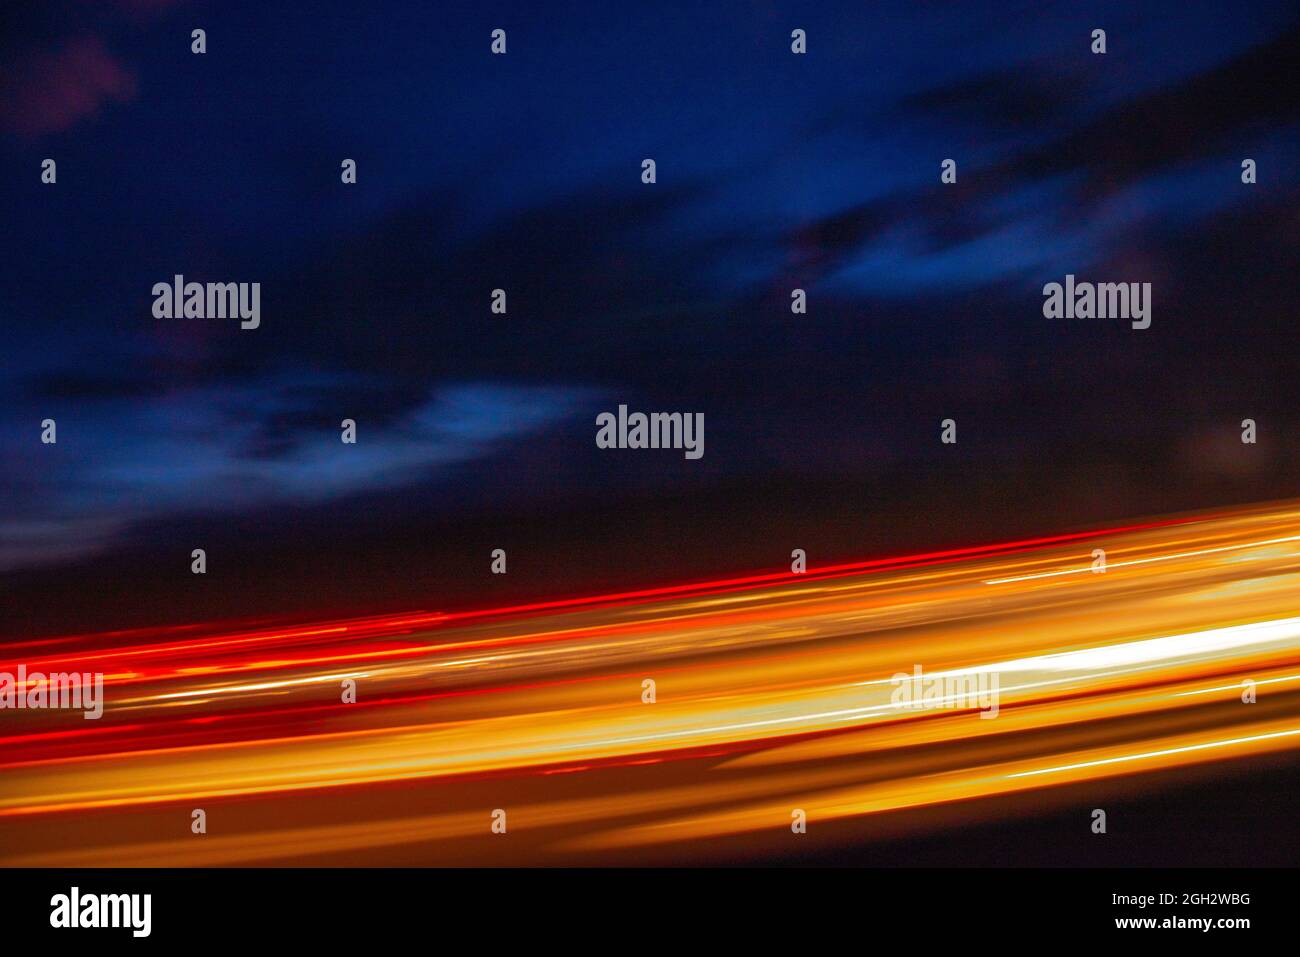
x=50, y=90
x=139, y=10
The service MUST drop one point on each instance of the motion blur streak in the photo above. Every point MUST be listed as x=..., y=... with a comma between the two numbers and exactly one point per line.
x=773, y=692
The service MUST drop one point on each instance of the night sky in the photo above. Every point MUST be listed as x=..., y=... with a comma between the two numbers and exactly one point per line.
x=523, y=172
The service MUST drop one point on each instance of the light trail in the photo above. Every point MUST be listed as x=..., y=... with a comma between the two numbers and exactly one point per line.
x=772, y=692
x=1146, y=561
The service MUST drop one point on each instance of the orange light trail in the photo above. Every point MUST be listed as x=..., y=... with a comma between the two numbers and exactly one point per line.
x=773, y=692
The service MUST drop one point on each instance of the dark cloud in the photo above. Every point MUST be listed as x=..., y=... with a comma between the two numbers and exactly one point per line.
x=1015, y=98
x=1126, y=143
x=1189, y=119
x=52, y=89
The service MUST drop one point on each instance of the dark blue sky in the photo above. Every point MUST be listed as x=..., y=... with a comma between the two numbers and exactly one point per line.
x=523, y=172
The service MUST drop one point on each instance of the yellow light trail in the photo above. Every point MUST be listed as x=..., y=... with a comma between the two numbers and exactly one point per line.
x=772, y=693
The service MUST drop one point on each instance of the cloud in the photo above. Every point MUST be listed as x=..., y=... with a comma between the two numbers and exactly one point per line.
x=145, y=6
x=1009, y=98
x=1064, y=196
x=223, y=449
x=53, y=89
